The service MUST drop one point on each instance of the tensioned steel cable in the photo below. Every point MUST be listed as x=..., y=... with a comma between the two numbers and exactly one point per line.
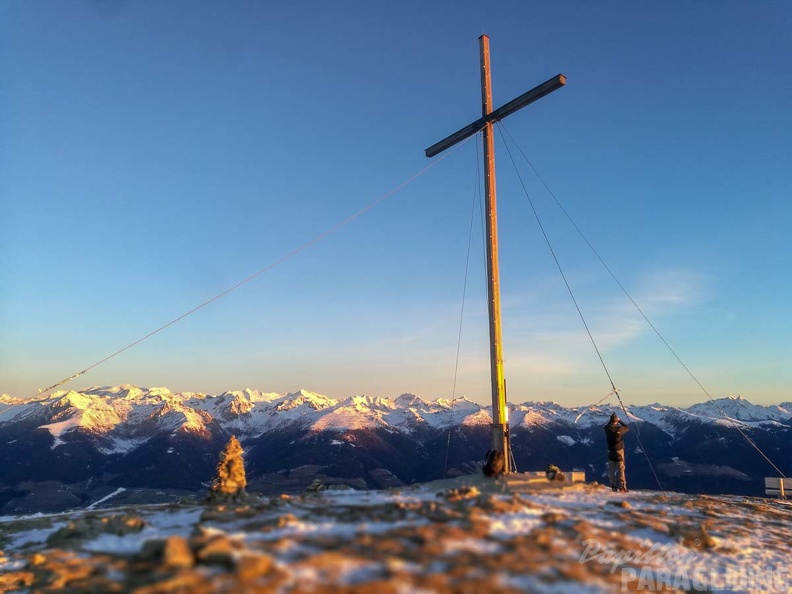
x=555, y=258
x=288, y=256
x=476, y=192
x=637, y=307
x=574, y=300
x=640, y=443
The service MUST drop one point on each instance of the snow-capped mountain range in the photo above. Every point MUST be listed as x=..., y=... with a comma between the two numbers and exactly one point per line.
x=72, y=447
x=129, y=415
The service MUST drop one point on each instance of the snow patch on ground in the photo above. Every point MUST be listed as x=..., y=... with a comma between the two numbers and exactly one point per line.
x=58, y=429
x=533, y=541
x=106, y=497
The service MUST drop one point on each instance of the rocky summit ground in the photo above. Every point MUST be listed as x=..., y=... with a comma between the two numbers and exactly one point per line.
x=478, y=537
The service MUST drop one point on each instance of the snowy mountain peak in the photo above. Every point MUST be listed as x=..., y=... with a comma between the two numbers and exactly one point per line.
x=251, y=395
x=304, y=399
x=307, y=395
x=408, y=400
x=74, y=410
x=174, y=416
x=481, y=417
x=740, y=409
x=370, y=402
x=129, y=392
x=239, y=405
x=71, y=399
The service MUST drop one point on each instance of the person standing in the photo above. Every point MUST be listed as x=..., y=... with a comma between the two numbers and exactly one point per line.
x=614, y=433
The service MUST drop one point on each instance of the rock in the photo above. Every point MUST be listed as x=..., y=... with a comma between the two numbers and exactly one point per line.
x=122, y=525
x=95, y=585
x=441, y=513
x=230, y=481
x=177, y=553
x=329, y=565
x=203, y=535
x=340, y=487
x=250, y=566
x=654, y=521
x=151, y=549
x=553, y=517
x=64, y=568
x=462, y=493
x=287, y=520
x=70, y=532
x=15, y=580
x=89, y=527
x=316, y=486
x=219, y=551
x=498, y=505
x=696, y=538
x=384, y=479
x=183, y=583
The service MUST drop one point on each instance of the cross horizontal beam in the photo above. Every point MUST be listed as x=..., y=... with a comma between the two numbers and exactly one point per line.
x=496, y=115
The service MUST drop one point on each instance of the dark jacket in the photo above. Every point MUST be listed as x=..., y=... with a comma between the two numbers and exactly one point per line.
x=614, y=433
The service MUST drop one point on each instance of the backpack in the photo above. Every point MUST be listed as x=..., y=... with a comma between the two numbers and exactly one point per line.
x=494, y=463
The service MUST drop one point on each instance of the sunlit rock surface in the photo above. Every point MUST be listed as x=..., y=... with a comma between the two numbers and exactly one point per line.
x=419, y=539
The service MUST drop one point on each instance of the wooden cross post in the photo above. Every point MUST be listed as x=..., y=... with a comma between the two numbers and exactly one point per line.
x=500, y=422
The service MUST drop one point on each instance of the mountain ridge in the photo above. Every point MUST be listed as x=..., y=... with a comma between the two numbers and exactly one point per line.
x=89, y=442
x=103, y=409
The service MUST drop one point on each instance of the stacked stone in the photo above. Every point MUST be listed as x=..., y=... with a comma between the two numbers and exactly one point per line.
x=229, y=482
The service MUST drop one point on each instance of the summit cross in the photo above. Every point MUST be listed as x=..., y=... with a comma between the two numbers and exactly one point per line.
x=500, y=422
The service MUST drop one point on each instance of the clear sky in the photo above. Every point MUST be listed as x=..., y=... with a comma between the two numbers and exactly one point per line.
x=155, y=154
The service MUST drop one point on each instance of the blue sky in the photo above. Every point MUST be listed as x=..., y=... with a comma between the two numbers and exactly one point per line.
x=155, y=154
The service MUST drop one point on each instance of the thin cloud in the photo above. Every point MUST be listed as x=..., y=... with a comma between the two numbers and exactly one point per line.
x=556, y=343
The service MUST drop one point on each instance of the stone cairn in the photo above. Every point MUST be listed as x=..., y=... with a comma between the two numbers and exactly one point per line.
x=229, y=482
